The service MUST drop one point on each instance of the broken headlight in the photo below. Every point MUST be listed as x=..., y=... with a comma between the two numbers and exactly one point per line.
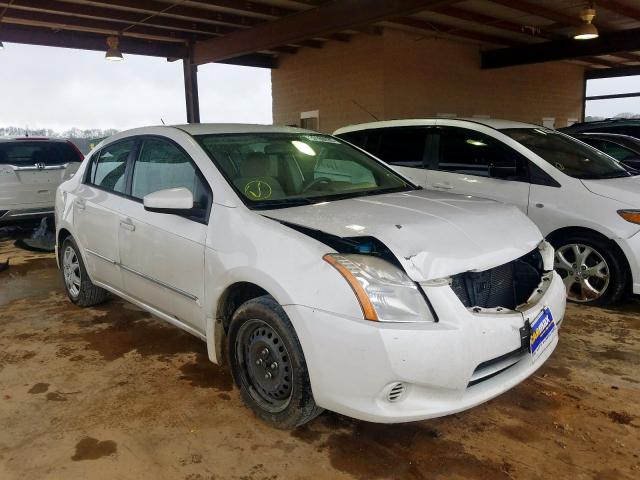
x=385, y=292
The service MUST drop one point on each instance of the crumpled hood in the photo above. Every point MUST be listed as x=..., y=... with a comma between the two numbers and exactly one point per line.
x=625, y=190
x=433, y=235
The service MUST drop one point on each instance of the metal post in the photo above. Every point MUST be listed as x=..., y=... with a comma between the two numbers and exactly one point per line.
x=191, y=91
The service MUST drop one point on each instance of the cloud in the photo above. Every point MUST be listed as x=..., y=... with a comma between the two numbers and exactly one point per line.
x=44, y=87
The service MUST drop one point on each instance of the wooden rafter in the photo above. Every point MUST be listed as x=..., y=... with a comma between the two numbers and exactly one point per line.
x=606, y=44
x=328, y=18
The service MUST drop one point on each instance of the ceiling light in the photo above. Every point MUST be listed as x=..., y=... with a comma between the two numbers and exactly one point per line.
x=587, y=30
x=113, y=52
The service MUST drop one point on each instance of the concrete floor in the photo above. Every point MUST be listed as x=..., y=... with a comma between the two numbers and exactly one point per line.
x=112, y=393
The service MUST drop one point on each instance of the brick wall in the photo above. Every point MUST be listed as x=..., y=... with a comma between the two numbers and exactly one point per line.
x=399, y=75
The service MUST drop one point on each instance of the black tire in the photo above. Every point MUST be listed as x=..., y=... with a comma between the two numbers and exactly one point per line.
x=284, y=399
x=88, y=294
x=618, y=276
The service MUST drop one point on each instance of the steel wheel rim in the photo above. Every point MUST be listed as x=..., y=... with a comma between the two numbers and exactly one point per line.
x=71, y=271
x=266, y=375
x=584, y=271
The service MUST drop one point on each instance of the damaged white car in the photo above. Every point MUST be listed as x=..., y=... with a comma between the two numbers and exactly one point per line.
x=328, y=280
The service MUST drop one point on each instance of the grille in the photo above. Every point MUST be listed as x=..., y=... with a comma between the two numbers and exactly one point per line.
x=506, y=286
x=396, y=392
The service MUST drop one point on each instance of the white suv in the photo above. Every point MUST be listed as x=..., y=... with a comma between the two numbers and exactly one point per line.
x=584, y=202
x=331, y=281
x=30, y=171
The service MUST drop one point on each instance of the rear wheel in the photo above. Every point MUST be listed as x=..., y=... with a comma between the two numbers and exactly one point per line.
x=591, y=270
x=79, y=288
x=268, y=364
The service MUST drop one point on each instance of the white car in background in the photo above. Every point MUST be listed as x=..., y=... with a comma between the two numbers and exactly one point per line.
x=30, y=171
x=584, y=202
x=332, y=281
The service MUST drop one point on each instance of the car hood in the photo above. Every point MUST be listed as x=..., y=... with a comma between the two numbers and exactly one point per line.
x=433, y=235
x=625, y=190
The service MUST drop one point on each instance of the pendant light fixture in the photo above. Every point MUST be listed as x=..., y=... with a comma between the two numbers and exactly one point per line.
x=113, y=51
x=586, y=31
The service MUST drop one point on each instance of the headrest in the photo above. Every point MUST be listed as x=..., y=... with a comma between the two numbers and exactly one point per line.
x=279, y=147
x=38, y=156
x=255, y=164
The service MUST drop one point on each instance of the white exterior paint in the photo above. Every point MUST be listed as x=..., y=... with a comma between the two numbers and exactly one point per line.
x=590, y=204
x=351, y=361
x=28, y=191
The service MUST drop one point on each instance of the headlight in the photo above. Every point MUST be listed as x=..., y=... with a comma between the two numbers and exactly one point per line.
x=384, y=292
x=632, y=216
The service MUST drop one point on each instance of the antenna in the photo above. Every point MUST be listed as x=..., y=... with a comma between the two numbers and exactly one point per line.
x=365, y=110
x=162, y=120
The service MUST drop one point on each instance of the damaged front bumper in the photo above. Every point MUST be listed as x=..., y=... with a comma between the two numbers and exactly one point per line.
x=438, y=368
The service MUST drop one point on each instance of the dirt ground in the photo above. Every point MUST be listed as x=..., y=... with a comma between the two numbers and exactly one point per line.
x=112, y=393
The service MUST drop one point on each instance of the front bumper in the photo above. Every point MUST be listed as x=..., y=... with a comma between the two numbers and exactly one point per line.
x=631, y=249
x=353, y=364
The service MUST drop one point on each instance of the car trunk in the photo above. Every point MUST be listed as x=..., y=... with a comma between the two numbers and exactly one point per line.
x=30, y=171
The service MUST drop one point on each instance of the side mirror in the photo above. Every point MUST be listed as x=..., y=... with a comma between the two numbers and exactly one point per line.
x=502, y=171
x=172, y=200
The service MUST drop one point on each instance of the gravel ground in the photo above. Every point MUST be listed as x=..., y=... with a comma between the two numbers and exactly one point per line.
x=112, y=393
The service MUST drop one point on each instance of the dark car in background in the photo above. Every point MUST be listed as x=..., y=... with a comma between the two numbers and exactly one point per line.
x=30, y=171
x=621, y=126
x=623, y=148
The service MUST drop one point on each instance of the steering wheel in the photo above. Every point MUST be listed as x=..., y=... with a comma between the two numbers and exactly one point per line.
x=316, y=182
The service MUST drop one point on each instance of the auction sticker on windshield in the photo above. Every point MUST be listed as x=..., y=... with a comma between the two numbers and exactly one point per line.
x=543, y=331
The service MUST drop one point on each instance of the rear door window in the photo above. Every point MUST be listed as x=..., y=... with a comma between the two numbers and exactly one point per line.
x=32, y=152
x=109, y=166
x=401, y=146
x=469, y=152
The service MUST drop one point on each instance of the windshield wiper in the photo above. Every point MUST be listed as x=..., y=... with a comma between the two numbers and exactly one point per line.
x=284, y=203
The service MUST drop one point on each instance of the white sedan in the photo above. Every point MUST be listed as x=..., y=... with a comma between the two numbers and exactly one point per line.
x=328, y=280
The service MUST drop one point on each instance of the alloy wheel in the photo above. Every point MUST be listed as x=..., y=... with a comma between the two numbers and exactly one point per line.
x=584, y=271
x=71, y=271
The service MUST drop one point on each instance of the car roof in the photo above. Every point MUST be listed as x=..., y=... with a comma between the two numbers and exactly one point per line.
x=495, y=123
x=612, y=136
x=216, y=128
x=31, y=139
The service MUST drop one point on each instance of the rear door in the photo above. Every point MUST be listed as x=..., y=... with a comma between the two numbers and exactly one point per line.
x=95, y=210
x=31, y=170
x=470, y=162
x=161, y=254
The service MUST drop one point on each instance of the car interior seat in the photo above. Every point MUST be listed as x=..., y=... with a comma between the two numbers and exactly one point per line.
x=257, y=180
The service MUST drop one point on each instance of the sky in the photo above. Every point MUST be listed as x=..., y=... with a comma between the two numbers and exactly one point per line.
x=607, y=86
x=46, y=87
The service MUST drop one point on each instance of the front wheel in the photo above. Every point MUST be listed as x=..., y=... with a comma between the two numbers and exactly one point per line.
x=592, y=272
x=268, y=364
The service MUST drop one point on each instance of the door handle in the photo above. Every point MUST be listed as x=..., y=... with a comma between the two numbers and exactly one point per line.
x=128, y=225
x=442, y=186
x=80, y=204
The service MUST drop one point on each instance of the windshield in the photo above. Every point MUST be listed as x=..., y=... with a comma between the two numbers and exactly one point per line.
x=568, y=155
x=272, y=170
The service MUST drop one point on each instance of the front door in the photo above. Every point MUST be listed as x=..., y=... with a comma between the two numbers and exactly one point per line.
x=162, y=255
x=474, y=163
